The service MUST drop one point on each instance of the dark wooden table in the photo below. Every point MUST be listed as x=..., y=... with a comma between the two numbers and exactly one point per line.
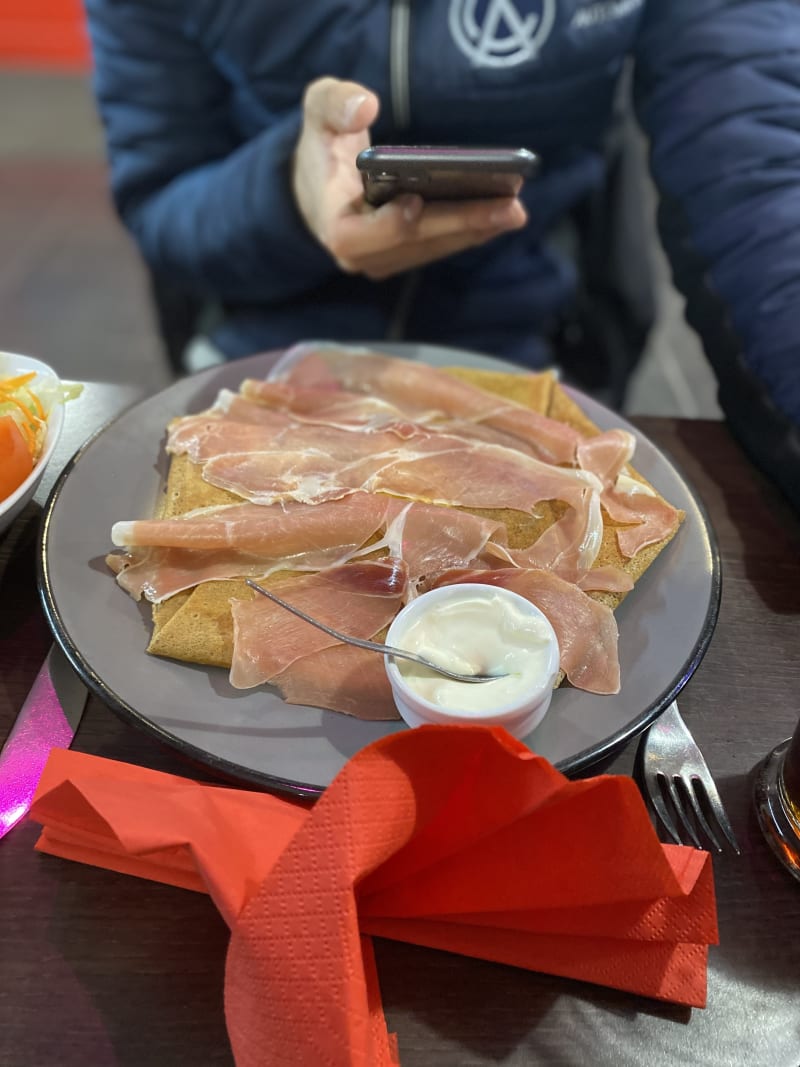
x=102, y=969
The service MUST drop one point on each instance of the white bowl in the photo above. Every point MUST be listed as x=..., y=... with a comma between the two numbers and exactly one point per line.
x=11, y=365
x=519, y=711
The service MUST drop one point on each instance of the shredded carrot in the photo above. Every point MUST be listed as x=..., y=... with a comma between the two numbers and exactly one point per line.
x=37, y=404
x=11, y=384
x=18, y=403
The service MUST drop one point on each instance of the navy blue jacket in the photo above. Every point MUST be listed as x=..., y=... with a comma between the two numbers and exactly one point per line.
x=200, y=100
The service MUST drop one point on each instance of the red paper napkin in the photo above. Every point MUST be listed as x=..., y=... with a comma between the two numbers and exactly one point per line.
x=458, y=838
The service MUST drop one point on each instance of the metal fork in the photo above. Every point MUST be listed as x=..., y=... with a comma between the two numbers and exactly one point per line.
x=677, y=780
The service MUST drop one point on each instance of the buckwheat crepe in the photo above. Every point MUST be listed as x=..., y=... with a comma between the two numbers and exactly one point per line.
x=196, y=626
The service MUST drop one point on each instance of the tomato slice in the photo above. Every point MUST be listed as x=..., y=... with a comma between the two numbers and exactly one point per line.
x=16, y=462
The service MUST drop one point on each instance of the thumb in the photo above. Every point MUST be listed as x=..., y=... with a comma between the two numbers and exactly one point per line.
x=339, y=106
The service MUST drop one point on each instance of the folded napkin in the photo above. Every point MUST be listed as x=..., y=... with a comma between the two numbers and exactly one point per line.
x=458, y=838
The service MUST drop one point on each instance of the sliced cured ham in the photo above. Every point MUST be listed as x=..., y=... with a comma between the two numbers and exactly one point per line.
x=166, y=556
x=431, y=540
x=358, y=598
x=648, y=519
x=586, y=629
x=203, y=438
x=606, y=579
x=351, y=411
x=353, y=470
x=417, y=388
x=398, y=458
x=606, y=454
x=436, y=468
x=340, y=678
x=285, y=530
x=570, y=546
x=653, y=518
x=159, y=573
x=354, y=410
x=334, y=406
x=425, y=393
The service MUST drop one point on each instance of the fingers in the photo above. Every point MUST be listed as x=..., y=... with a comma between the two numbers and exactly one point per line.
x=445, y=218
x=382, y=266
x=337, y=106
x=406, y=233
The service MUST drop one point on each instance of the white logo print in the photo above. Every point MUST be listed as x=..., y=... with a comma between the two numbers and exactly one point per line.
x=499, y=35
x=603, y=11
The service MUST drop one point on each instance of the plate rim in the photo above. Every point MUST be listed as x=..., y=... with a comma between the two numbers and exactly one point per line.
x=237, y=773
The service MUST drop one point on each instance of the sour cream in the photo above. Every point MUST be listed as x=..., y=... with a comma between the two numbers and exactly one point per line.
x=474, y=629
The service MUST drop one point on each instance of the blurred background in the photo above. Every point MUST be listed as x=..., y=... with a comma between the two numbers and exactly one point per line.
x=72, y=289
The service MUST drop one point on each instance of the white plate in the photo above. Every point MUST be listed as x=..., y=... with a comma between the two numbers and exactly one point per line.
x=665, y=624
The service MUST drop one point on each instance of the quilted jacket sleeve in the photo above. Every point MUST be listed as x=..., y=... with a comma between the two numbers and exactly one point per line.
x=718, y=93
x=213, y=214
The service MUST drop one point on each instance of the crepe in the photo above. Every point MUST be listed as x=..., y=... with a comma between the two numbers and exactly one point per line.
x=197, y=626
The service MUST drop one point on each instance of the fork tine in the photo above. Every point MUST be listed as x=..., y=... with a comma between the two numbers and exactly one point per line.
x=677, y=803
x=717, y=807
x=693, y=787
x=661, y=810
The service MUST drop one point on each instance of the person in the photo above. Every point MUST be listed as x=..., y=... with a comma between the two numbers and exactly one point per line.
x=233, y=126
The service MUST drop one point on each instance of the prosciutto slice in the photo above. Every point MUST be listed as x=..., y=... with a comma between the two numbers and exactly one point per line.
x=354, y=410
x=653, y=517
x=166, y=556
x=340, y=678
x=436, y=468
x=606, y=454
x=358, y=598
x=283, y=531
x=648, y=519
x=203, y=438
x=239, y=439
x=570, y=546
x=586, y=630
x=432, y=540
x=337, y=407
x=417, y=388
x=606, y=579
x=278, y=458
x=349, y=411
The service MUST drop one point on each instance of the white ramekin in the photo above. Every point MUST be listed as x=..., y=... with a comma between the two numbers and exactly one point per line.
x=519, y=717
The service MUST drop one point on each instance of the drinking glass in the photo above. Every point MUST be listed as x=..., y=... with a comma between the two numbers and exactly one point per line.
x=777, y=799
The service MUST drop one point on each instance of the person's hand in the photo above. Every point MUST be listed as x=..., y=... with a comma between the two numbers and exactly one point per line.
x=398, y=236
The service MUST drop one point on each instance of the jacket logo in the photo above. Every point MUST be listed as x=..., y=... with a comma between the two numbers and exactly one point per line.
x=496, y=33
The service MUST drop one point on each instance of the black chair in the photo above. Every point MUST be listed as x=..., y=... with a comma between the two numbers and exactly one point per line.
x=600, y=340
x=178, y=315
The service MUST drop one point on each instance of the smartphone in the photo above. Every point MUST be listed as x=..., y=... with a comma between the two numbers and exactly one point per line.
x=438, y=173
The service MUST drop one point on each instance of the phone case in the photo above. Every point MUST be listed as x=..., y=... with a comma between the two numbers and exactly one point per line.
x=443, y=173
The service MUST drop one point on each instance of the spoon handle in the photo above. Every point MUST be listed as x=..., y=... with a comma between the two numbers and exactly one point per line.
x=372, y=646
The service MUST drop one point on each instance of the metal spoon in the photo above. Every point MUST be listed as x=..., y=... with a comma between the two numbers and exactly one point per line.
x=373, y=646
